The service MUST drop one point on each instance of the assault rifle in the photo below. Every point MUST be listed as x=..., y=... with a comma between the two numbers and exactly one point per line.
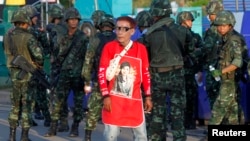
x=26, y=67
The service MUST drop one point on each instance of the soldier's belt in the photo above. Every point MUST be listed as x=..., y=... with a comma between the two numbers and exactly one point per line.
x=228, y=76
x=164, y=69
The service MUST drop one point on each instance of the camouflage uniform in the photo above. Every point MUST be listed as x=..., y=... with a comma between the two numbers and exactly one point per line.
x=225, y=106
x=167, y=73
x=41, y=101
x=56, y=31
x=70, y=59
x=212, y=43
x=144, y=21
x=93, y=55
x=190, y=71
x=20, y=98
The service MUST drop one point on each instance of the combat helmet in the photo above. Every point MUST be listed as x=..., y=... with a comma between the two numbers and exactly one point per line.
x=31, y=10
x=184, y=15
x=160, y=8
x=20, y=16
x=72, y=13
x=144, y=19
x=96, y=15
x=225, y=17
x=56, y=11
x=106, y=20
x=214, y=7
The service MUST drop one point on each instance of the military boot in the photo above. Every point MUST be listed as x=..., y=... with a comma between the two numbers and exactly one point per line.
x=12, y=136
x=25, y=134
x=88, y=135
x=52, y=129
x=63, y=126
x=74, y=129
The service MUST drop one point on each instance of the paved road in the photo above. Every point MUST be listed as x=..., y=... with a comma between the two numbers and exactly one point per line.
x=37, y=132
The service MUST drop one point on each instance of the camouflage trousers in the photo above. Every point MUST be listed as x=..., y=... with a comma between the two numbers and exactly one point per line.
x=41, y=99
x=65, y=84
x=191, y=99
x=94, y=108
x=21, y=102
x=225, y=106
x=170, y=83
x=212, y=88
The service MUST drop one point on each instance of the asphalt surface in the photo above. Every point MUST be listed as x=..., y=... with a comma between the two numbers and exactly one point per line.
x=36, y=133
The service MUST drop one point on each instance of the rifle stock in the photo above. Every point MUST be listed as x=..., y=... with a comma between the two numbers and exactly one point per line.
x=26, y=67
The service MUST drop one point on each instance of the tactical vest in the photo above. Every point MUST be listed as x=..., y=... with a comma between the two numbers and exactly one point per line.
x=20, y=38
x=164, y=52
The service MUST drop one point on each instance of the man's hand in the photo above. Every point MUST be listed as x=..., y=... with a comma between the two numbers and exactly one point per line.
x=148, y=105
x=107, y=103
x=87, y=89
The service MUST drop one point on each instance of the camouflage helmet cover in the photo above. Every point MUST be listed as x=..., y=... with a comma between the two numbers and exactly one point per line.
x=160, y=8
x=184, y=15
x=72, y=13
x=106, y=20
x=20, y=16
x=96, y=15
x=225, y=17
x=31, y=10
x=214, y=7
x=144, y=19
x=56, y=11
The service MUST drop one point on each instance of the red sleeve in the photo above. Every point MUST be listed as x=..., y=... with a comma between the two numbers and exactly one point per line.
x=146, y=83
x=104, y=62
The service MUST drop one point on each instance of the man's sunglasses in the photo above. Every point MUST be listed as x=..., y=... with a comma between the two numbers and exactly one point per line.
x=122, y=28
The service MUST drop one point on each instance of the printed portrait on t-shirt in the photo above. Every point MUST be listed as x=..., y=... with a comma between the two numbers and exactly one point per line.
x=124, y=80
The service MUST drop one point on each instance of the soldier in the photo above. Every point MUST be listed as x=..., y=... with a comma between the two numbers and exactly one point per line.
x=56, y=29
x=21, y=99
x=144, y=20
x=41, y=102
x=231, y=59
x=106, y=24
x=212, y=43
x=185, y=18
x=69, y=61
x=167, y=44
x=96, y=15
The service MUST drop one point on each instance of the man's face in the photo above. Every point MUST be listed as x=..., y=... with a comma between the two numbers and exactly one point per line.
x=187, y=23
x=224, y=29
x=124, y=31
x=73, y=23
x=212, y=17
x=34, y=20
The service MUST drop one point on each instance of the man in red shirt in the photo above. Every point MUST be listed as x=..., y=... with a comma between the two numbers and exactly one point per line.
x=119, y=107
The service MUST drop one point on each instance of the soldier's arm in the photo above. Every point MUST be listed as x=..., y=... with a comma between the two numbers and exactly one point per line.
x=35, y=51
x=89, y=59
x=236, y=54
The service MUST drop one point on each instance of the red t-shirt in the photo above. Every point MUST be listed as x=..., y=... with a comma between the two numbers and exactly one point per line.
x=125, y=88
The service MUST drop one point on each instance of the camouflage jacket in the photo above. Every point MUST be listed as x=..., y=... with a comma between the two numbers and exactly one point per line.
x=42, y=39
x=93, y=55
x=212, y=44
x=72, y=50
